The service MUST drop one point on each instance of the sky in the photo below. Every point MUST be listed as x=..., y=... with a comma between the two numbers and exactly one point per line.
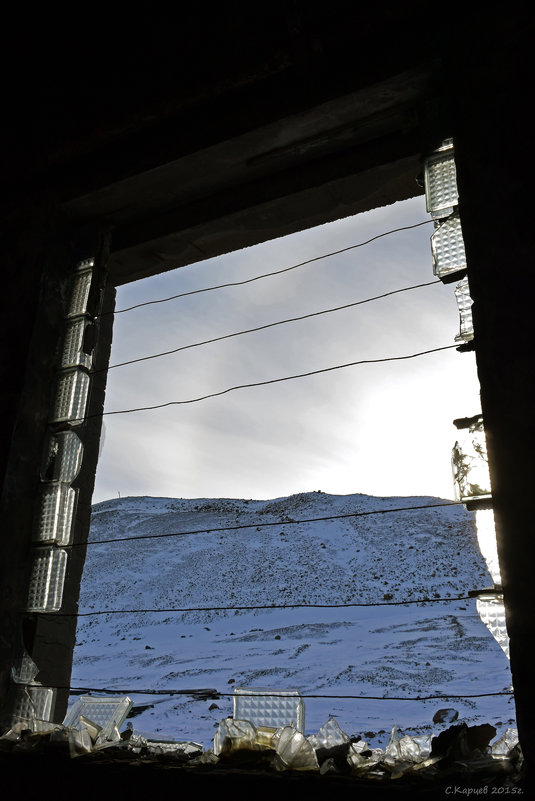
x=381, y=429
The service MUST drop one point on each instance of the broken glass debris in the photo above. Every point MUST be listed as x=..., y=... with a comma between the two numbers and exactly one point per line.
x=505, y=744
x=105, y=714
x=294, y=751
x=329, y=735
x=470, y=465
x=233, y=735
x=491, y=610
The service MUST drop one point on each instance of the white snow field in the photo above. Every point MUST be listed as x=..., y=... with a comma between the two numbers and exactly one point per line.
x=378, y=650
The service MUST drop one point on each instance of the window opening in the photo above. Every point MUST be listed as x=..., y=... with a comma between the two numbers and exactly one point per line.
x=364, y=431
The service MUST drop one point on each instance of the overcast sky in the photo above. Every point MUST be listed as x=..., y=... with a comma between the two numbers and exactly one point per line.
x=381, y=429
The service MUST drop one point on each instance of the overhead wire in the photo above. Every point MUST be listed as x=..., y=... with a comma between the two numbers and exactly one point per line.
x=213, y=693
x=266, y=275
x=264, y=383
x=262, y=524
x=264, y=327
x=349, y=605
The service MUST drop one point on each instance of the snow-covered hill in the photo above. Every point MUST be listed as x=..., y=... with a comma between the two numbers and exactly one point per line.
x=386, y=650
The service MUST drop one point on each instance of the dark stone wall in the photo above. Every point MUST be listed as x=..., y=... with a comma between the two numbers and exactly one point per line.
x=37, y=256
x=495, y=183
x=47, y=249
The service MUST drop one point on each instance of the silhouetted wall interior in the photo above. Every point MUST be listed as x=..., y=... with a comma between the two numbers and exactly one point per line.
x=137, y=147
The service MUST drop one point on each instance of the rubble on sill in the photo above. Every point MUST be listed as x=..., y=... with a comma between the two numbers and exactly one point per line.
x=459, y=750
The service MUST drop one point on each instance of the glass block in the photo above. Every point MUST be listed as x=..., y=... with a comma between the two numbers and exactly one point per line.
x=440, y=180
x=71, y=397
x=24, y=670
x=34, y=706
x=294, y=750
x=464, y=303
x=470, y=465
x=46, y=581
x=234, y=735
x=329, y=736
x=447, y=247
x=506, y=743
x=63, y=457
x=56, y=512
x=491, y=610
x=80, y=291
x=85, y=264
x=73, y=354
x=107, y=713
x=264, y=707
x=447, y=144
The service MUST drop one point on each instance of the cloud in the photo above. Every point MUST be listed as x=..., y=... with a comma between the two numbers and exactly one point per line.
x=382, y=429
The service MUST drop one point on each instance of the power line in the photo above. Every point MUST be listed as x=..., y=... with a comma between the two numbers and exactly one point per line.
x=265, y=383
x=270, y=274
x=213, y=693
x=264, y=327
x=263, y=524
x=262, y=606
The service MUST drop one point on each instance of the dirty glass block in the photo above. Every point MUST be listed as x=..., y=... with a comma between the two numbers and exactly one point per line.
x=295, y=751
x=63, y=457
x=464, y=303
x=71, y=397
x=329, y=735
x=73, y=354
x=506, y=743
x=470, y=464
x=447, y=247
x=107, y=713
x=491, y=610
x=402, y=747
x=55, y=514
x=440, y=180
x=24, y=670
x=80, y=290
x=266, y=707
x=34, y=706
x=234, y=735
x=46, y=581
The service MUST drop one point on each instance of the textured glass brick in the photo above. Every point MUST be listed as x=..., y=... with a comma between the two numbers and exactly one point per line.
x=108, y=713
x=46, y=581
x=464, y=303
x=56, y=511
x=34, y=706
x=80, y=291
x=73, y=354
x=63, y=457
x=440, y=179
x=329, y=735
x=24, y=670
x=71, y=397
x=491, y=610
x=265, y=707
x=447, y=247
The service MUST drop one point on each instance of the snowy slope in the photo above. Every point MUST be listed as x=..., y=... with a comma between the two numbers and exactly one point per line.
x=411, y=650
